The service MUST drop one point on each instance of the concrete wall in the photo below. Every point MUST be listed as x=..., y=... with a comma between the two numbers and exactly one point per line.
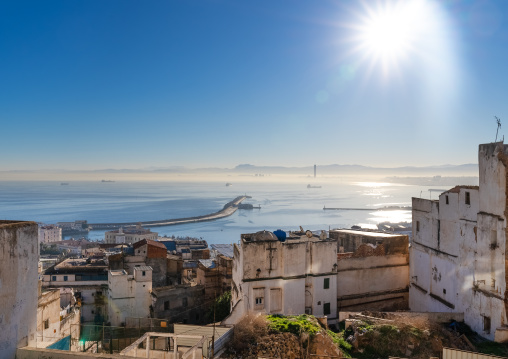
x=177, y=310
x=373, y=282
x=39, y=353
x=19, y=256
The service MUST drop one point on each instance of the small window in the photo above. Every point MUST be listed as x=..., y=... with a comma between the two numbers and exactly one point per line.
x=444, y=291
x=447, y=201
x=53, y=277
x=468, y=198
x=99, y=293
x=326, y=309
x=486, y=324
x=166, y=305
x=65, y=278
x=143, y=274
x=326, y=283
x=259, y=301
x=418, y=226
x=46, y=324
x=184, y=302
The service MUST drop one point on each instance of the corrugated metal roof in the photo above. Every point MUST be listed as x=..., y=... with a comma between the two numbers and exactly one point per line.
x=208, y=263
x=143, y=268
x=224, y=249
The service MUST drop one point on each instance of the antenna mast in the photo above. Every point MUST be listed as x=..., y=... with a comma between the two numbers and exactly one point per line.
x=498, y=125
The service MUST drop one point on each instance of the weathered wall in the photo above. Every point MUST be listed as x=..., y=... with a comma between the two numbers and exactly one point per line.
x=48, y=312
x=458, y=253
x=19, y=255
x=33, y=353
x=184, y=303
x=372, y=274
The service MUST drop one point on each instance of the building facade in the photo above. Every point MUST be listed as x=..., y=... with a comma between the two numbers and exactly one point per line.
x=458, y=251
x=294, y=276
x=88, y=279
x=375, y=276
x=129, y=295
x=50, y=233
x=129, y=235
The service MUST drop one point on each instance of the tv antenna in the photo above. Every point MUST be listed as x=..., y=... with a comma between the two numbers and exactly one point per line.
x=498, y=125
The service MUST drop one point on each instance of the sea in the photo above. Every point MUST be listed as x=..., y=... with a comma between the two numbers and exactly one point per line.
x=284, y=205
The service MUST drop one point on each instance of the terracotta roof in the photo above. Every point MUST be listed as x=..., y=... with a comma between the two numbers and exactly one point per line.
x=457, y=189
x=149, y=242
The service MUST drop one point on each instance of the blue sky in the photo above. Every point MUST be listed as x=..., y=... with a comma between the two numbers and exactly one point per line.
x=134, y=84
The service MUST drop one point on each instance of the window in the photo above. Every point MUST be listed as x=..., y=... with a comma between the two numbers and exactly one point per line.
x=184, y=302
x=468, y=198
x=447, y=202
x=486, y=324
x=493, y=239
x=326, y=309
x=259, y=298
x=65, y=278
x=143, y=274
x=53, y=277
x=418, y=226
x=326, y=283
x=46, y=324
x=166, y=305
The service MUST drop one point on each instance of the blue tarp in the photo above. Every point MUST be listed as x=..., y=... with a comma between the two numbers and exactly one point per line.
x=62, y=344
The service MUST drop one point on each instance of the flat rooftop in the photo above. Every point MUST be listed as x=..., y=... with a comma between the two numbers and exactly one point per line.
x=368, y=233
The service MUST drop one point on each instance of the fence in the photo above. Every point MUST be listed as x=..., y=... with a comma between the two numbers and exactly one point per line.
x=108, y=339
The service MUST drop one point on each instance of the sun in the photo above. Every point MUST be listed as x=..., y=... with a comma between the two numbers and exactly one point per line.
x=390, y=31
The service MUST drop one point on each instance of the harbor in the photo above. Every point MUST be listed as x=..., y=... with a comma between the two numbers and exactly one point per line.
x=228, y=209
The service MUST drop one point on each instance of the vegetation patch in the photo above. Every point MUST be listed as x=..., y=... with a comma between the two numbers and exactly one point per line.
x=293, y=324
x=339, y=340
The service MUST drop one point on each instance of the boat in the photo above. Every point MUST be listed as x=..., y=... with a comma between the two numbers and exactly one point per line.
x=310, y=186
x=228, y=184
x=107, y=181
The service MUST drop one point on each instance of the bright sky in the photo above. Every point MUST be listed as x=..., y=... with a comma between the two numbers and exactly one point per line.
x=133, y=84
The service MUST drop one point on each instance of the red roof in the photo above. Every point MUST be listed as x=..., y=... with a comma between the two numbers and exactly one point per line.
x=150, y=243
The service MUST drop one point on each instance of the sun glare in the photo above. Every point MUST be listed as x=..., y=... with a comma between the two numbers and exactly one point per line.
x=390, y=31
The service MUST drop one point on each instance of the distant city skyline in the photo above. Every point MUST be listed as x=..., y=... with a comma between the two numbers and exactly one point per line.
x=125, y=84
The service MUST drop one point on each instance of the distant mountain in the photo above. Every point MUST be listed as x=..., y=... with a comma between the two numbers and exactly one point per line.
x=328, y=170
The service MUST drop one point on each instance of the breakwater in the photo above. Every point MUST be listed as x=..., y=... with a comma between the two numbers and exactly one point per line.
x=228, y=209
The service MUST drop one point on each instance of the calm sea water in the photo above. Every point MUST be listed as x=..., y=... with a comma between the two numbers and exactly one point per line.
x=283, y=205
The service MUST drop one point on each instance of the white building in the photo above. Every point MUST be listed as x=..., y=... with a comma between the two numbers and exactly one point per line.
x=19, y=252
x=130, y=235
x=293, y=277
x=129, y=295
x=89, y=279
x=50, y=233
x=457, y=254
